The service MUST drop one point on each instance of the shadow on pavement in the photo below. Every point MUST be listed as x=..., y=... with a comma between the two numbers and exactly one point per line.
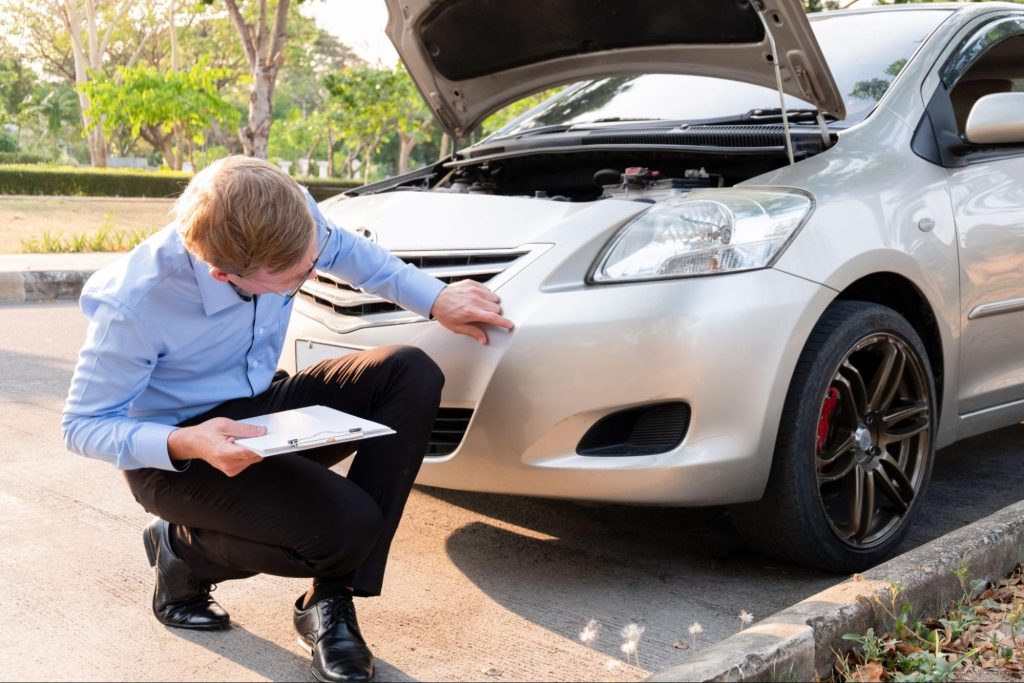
x=259, y=655
x=266, y=658
x=564, y=563
x=972, y=479
x=560, y=563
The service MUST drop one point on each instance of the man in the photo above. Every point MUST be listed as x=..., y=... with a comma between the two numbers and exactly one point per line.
x=184, y=339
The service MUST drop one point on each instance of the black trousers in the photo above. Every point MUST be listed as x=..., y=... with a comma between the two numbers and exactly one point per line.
x=289, y=515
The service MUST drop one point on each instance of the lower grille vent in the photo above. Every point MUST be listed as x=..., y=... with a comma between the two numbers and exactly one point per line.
x=645, y=430
x=339, y=296
x=449, y=428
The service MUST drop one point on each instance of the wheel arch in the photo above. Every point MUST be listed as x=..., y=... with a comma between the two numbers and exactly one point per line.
x=903, y=296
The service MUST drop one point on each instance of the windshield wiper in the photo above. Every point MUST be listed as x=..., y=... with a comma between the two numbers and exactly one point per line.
x=580, y=125
x=770, y=115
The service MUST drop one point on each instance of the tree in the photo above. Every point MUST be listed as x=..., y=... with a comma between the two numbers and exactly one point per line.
x=158, y=105
x=264, y=50
x=77, y=39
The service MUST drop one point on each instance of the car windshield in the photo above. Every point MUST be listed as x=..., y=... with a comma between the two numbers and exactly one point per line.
x=864, y=51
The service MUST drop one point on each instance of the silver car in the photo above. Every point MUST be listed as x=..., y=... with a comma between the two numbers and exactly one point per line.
x=754, y=258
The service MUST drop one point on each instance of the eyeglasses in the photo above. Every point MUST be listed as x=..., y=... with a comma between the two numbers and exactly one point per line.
x=305, y=276
x=320, y=252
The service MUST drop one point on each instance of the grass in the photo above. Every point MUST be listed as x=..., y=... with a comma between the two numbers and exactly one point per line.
x=66, y=224
x=979, y=638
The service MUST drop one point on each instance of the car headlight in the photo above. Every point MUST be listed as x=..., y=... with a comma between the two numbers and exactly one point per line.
x=703, y=233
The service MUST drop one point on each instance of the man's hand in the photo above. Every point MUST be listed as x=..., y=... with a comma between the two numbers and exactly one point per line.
x=462, y=306
x=214, y=442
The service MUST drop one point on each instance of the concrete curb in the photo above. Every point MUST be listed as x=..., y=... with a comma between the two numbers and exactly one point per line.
x=26, y=278
x=49, y=285
x=799, y=643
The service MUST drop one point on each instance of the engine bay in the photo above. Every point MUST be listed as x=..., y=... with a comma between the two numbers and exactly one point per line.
x=643, y=166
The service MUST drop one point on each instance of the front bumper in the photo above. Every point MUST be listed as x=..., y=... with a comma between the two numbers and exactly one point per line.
x=726, y=345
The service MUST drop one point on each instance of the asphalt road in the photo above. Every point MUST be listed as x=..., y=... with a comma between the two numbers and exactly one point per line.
x=479, y=586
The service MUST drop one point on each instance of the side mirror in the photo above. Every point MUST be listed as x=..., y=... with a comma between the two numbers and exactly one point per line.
x=996, y=119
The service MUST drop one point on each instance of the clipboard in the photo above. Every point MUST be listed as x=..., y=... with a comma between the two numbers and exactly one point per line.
x=310, y=427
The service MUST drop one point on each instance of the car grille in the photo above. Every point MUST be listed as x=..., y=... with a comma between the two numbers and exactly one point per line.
x=449, y=428
x=340, y=297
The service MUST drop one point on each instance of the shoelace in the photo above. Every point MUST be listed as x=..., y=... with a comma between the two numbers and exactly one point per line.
x=202, y=590
x=339, y=610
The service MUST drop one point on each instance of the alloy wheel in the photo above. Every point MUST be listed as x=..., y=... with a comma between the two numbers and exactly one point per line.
x=873, y=440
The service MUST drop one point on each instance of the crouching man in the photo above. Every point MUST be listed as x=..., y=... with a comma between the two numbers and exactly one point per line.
x=184, y=339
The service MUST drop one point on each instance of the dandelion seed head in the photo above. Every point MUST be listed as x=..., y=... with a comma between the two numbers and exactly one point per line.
x=611, y=664
x=695, y=629
x=589, y=632
x=632, y=632
x=628, y=647
x=746, y=617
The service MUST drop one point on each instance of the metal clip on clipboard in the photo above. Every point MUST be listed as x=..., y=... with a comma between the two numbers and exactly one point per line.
x=318, y=440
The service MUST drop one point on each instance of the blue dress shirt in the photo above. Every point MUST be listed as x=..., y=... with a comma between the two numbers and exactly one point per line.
x=167, y=342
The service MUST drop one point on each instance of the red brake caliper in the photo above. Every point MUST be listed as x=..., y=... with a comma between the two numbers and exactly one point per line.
x=825, y=421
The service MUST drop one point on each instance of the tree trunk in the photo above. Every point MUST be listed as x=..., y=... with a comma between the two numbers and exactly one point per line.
x=255, y=134
x=164, y=142
x=264, y=49
x=330, y=152
x=369, y=160
x=94, y=131
x=406, y=144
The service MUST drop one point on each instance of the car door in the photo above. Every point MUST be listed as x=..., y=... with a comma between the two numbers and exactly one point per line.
x=987, y=193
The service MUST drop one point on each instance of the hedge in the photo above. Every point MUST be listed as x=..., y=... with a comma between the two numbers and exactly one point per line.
x=23, y=158
x=100, y=182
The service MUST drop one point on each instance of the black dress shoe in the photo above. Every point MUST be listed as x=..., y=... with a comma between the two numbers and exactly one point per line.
x=179, y=599
x=329, y=631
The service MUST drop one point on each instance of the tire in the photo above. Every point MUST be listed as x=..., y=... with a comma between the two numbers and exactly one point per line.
x=853, y=459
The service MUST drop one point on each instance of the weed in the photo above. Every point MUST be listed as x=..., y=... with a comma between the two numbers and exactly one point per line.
x=104, y=238
x=981, y=628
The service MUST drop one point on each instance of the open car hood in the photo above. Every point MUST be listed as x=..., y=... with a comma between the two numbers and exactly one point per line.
x=469, y=58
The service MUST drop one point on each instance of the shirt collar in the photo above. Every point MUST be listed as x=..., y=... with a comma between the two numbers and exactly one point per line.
x=216, y=295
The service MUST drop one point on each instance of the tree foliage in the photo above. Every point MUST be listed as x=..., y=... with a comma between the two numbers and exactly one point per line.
x=154, y=104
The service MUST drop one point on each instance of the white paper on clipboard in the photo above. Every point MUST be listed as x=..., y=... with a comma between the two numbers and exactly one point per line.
x=310, y=427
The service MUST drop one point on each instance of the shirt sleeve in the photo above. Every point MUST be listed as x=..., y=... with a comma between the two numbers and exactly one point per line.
x=114, y=367
x=371, y=267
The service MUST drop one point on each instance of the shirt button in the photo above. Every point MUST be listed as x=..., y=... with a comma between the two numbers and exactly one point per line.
x=259, y=330
x=255, y=363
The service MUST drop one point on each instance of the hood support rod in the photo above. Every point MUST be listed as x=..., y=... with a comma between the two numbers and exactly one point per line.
x=760, y=8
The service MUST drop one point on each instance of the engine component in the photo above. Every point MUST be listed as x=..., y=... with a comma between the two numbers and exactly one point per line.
x=642, y=184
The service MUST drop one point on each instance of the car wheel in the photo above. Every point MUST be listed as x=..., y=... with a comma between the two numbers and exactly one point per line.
x=855, y=446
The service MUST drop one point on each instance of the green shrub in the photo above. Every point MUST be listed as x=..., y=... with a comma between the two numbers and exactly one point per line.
x=8, y=143
x=23, y=158
x=89, y=182
x=100, y=182
x=325, y=188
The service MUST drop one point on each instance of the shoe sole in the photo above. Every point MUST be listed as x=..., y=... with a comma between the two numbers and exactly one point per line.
x=150, y=544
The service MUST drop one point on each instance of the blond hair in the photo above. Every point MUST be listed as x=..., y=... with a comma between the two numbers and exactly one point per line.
x=241, y=214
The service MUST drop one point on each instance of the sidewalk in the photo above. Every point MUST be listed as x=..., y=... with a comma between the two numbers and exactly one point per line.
x=47, y=277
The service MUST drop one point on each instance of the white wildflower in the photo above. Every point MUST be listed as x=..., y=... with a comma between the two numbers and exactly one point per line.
x=612, y=664
x=746, y=618
x=695, y=631
x=631, y=636
x=632, y=632
x=589, y=633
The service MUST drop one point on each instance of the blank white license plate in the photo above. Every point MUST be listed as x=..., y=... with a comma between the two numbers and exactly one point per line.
x=309, y=352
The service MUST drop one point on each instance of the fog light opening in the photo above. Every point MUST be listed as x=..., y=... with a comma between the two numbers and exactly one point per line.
x=644, y=430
